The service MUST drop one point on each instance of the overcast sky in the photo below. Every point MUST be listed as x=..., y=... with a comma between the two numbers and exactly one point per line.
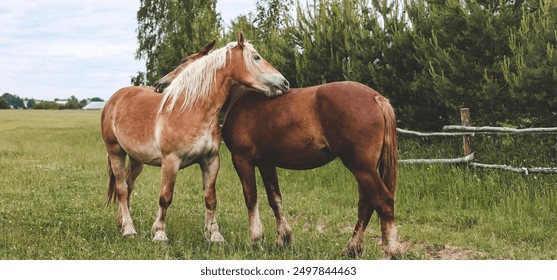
x=59, y=48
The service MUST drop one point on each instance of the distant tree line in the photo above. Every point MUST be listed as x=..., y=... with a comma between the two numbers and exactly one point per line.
x=429, y=57
x=8, y=101
x=11, y=101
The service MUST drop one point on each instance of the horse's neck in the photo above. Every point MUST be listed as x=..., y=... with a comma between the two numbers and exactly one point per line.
x=235, y=93
x=217, y=99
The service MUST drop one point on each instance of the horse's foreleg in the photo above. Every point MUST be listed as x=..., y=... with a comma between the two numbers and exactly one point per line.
x=210, y=168
x=169, y=170
x=246, y=172
x=133, y=170
x=117, y=164
x=270, y=179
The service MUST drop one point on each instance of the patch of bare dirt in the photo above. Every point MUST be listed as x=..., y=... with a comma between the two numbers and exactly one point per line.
x=436, y=252
x=446, y=252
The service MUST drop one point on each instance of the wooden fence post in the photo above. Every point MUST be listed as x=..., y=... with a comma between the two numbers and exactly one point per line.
x=465, y=121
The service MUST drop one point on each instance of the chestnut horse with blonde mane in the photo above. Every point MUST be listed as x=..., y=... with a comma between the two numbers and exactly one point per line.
x=179, y=127
x=308, y=128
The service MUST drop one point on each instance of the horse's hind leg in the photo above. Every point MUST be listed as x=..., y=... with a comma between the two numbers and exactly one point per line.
x=117, y=164
x=133, y=170
x=246, y=172
x=270, y=179
x=210, y=168
x=373, y=195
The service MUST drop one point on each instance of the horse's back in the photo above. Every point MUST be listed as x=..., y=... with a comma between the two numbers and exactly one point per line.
x=348, y=104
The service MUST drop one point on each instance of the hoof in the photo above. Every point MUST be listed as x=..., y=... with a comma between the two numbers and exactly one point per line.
x=254, y=239
x=160, y=236
x=392, y=251
x=351, y=252
x=216, y=237
x=129, y=232
x=284, y=240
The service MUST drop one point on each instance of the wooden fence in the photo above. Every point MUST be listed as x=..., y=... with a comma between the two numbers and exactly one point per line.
x=466, y=131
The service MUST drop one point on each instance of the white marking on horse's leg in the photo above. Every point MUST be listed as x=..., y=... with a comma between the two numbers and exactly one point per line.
x=283, y=229
x=159, y=227
x=284, y=233
x=210, y=168
x=169, y=170
x=255, y=226
x=212, y=228
x=127, y=224
x=390, y=242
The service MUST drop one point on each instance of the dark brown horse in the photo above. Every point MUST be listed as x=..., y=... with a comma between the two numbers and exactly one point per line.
x=307, y=128
x=179, y=127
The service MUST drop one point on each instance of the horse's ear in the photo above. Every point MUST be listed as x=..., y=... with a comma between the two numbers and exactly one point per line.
x=208, y=47
x=241, y=39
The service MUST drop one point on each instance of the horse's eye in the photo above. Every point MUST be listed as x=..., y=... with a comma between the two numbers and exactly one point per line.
x=256, y=57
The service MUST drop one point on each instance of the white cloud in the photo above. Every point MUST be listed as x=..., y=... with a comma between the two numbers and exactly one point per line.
x=58, y=48
x=55, y=48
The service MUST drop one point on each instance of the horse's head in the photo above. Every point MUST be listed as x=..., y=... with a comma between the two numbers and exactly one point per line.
x=249, y=69
x=163, y=82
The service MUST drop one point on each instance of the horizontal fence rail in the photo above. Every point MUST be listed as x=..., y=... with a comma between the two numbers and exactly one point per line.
x=493, y=129
x=465, y=130
x=464, y=159
x=525, y=170
x=428, y=134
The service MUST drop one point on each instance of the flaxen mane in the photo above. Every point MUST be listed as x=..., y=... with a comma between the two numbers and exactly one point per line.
x=196, y=80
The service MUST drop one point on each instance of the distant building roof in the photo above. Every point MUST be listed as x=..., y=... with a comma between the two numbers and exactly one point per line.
x=94, y=105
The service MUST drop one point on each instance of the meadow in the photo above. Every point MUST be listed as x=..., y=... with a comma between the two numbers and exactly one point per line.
x=53, y=184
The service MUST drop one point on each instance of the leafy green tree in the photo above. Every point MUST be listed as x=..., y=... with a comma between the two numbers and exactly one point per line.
x=530, y=70
x=345, y=40
x=72, y=103
x=168, y=31
x=31, y=103
x=456, y=56
x=13, y=100
x=139, y=79
x=321, y=41
x=4, y=104
x=47, y=105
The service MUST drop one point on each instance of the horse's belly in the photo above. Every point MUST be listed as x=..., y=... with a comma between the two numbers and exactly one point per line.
x=203, y=147
x=142, y=150
x=146, y=153
x=307, y=158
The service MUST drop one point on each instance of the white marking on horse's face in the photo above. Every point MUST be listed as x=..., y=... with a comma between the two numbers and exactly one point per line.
x=265, y=78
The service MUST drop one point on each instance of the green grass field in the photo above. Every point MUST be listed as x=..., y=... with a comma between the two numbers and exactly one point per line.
x=53, y=185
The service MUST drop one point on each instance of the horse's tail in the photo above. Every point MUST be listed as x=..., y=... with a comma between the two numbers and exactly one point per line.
x=388, y=166
x=111, y=194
